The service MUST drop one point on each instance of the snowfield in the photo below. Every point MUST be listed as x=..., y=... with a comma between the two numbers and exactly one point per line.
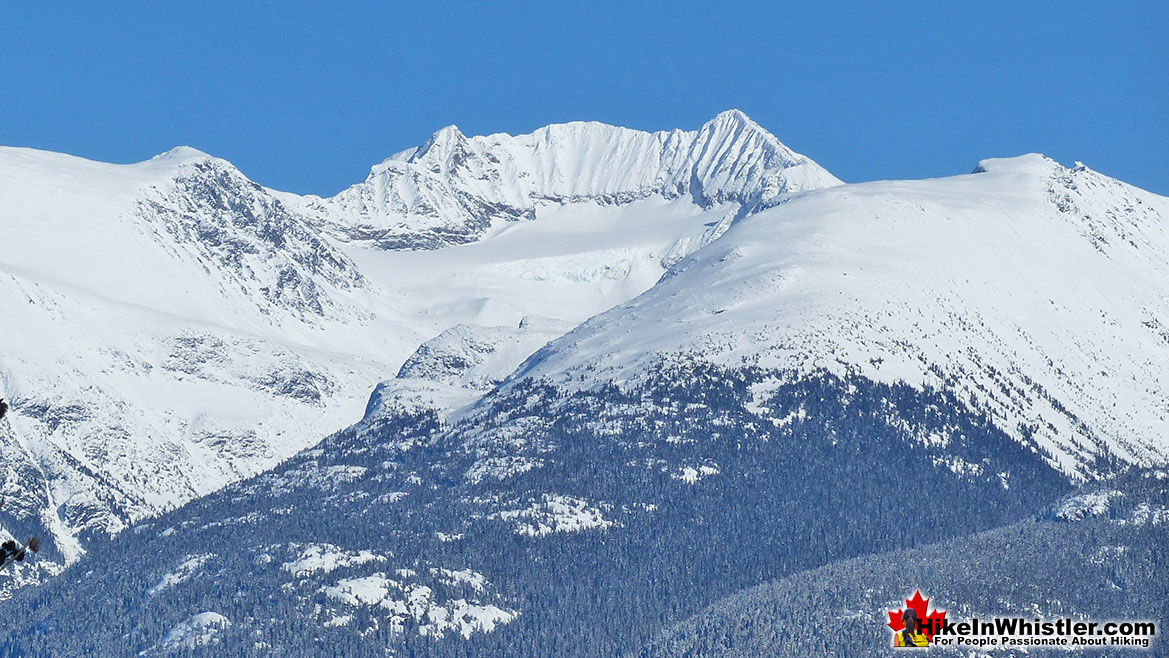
x=171, y=327
x=1036, y=292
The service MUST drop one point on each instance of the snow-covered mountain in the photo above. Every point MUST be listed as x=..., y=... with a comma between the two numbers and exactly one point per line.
x=828, y=357
x=171, y=326
x=164, y=333
x=453, y=188
x=1035, y=292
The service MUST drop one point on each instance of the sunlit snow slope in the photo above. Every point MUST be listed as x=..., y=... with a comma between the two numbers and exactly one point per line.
x=453, y=188
x=1038, y=293
x=170, y=326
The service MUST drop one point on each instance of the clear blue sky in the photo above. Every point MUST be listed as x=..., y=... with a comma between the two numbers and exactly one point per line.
x=306, y=96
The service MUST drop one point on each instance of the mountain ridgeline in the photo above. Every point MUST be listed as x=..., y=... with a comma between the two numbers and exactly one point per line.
x=173, y=327
x=656, y=394
x=452, y=189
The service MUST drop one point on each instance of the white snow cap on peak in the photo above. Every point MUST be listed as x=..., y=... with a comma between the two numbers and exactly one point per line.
x=453, y=187
x=1028, y=163
x=732, y=124
x=729, y=158
x=181, y=154
x=441, y=141
x=447, y=134
x=733, y=116
x=1025, y=276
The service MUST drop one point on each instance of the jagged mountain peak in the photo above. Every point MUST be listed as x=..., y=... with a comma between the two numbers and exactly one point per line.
x=449, y=133
x=731, y=123
x=453, y=188
x=445, y=145
x=733, y=115
x=728, y=125
x=181, y=154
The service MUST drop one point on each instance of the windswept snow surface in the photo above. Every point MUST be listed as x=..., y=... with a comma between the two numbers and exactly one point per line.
x=1037, y=292
x=170, y=326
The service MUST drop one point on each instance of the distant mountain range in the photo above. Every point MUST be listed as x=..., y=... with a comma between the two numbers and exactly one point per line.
x=172, y=326
x=578, y=386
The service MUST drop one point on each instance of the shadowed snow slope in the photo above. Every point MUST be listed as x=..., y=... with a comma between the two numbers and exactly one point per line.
x=1037, y=292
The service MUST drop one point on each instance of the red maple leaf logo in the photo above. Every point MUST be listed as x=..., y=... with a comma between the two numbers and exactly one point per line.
x=920, y=606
